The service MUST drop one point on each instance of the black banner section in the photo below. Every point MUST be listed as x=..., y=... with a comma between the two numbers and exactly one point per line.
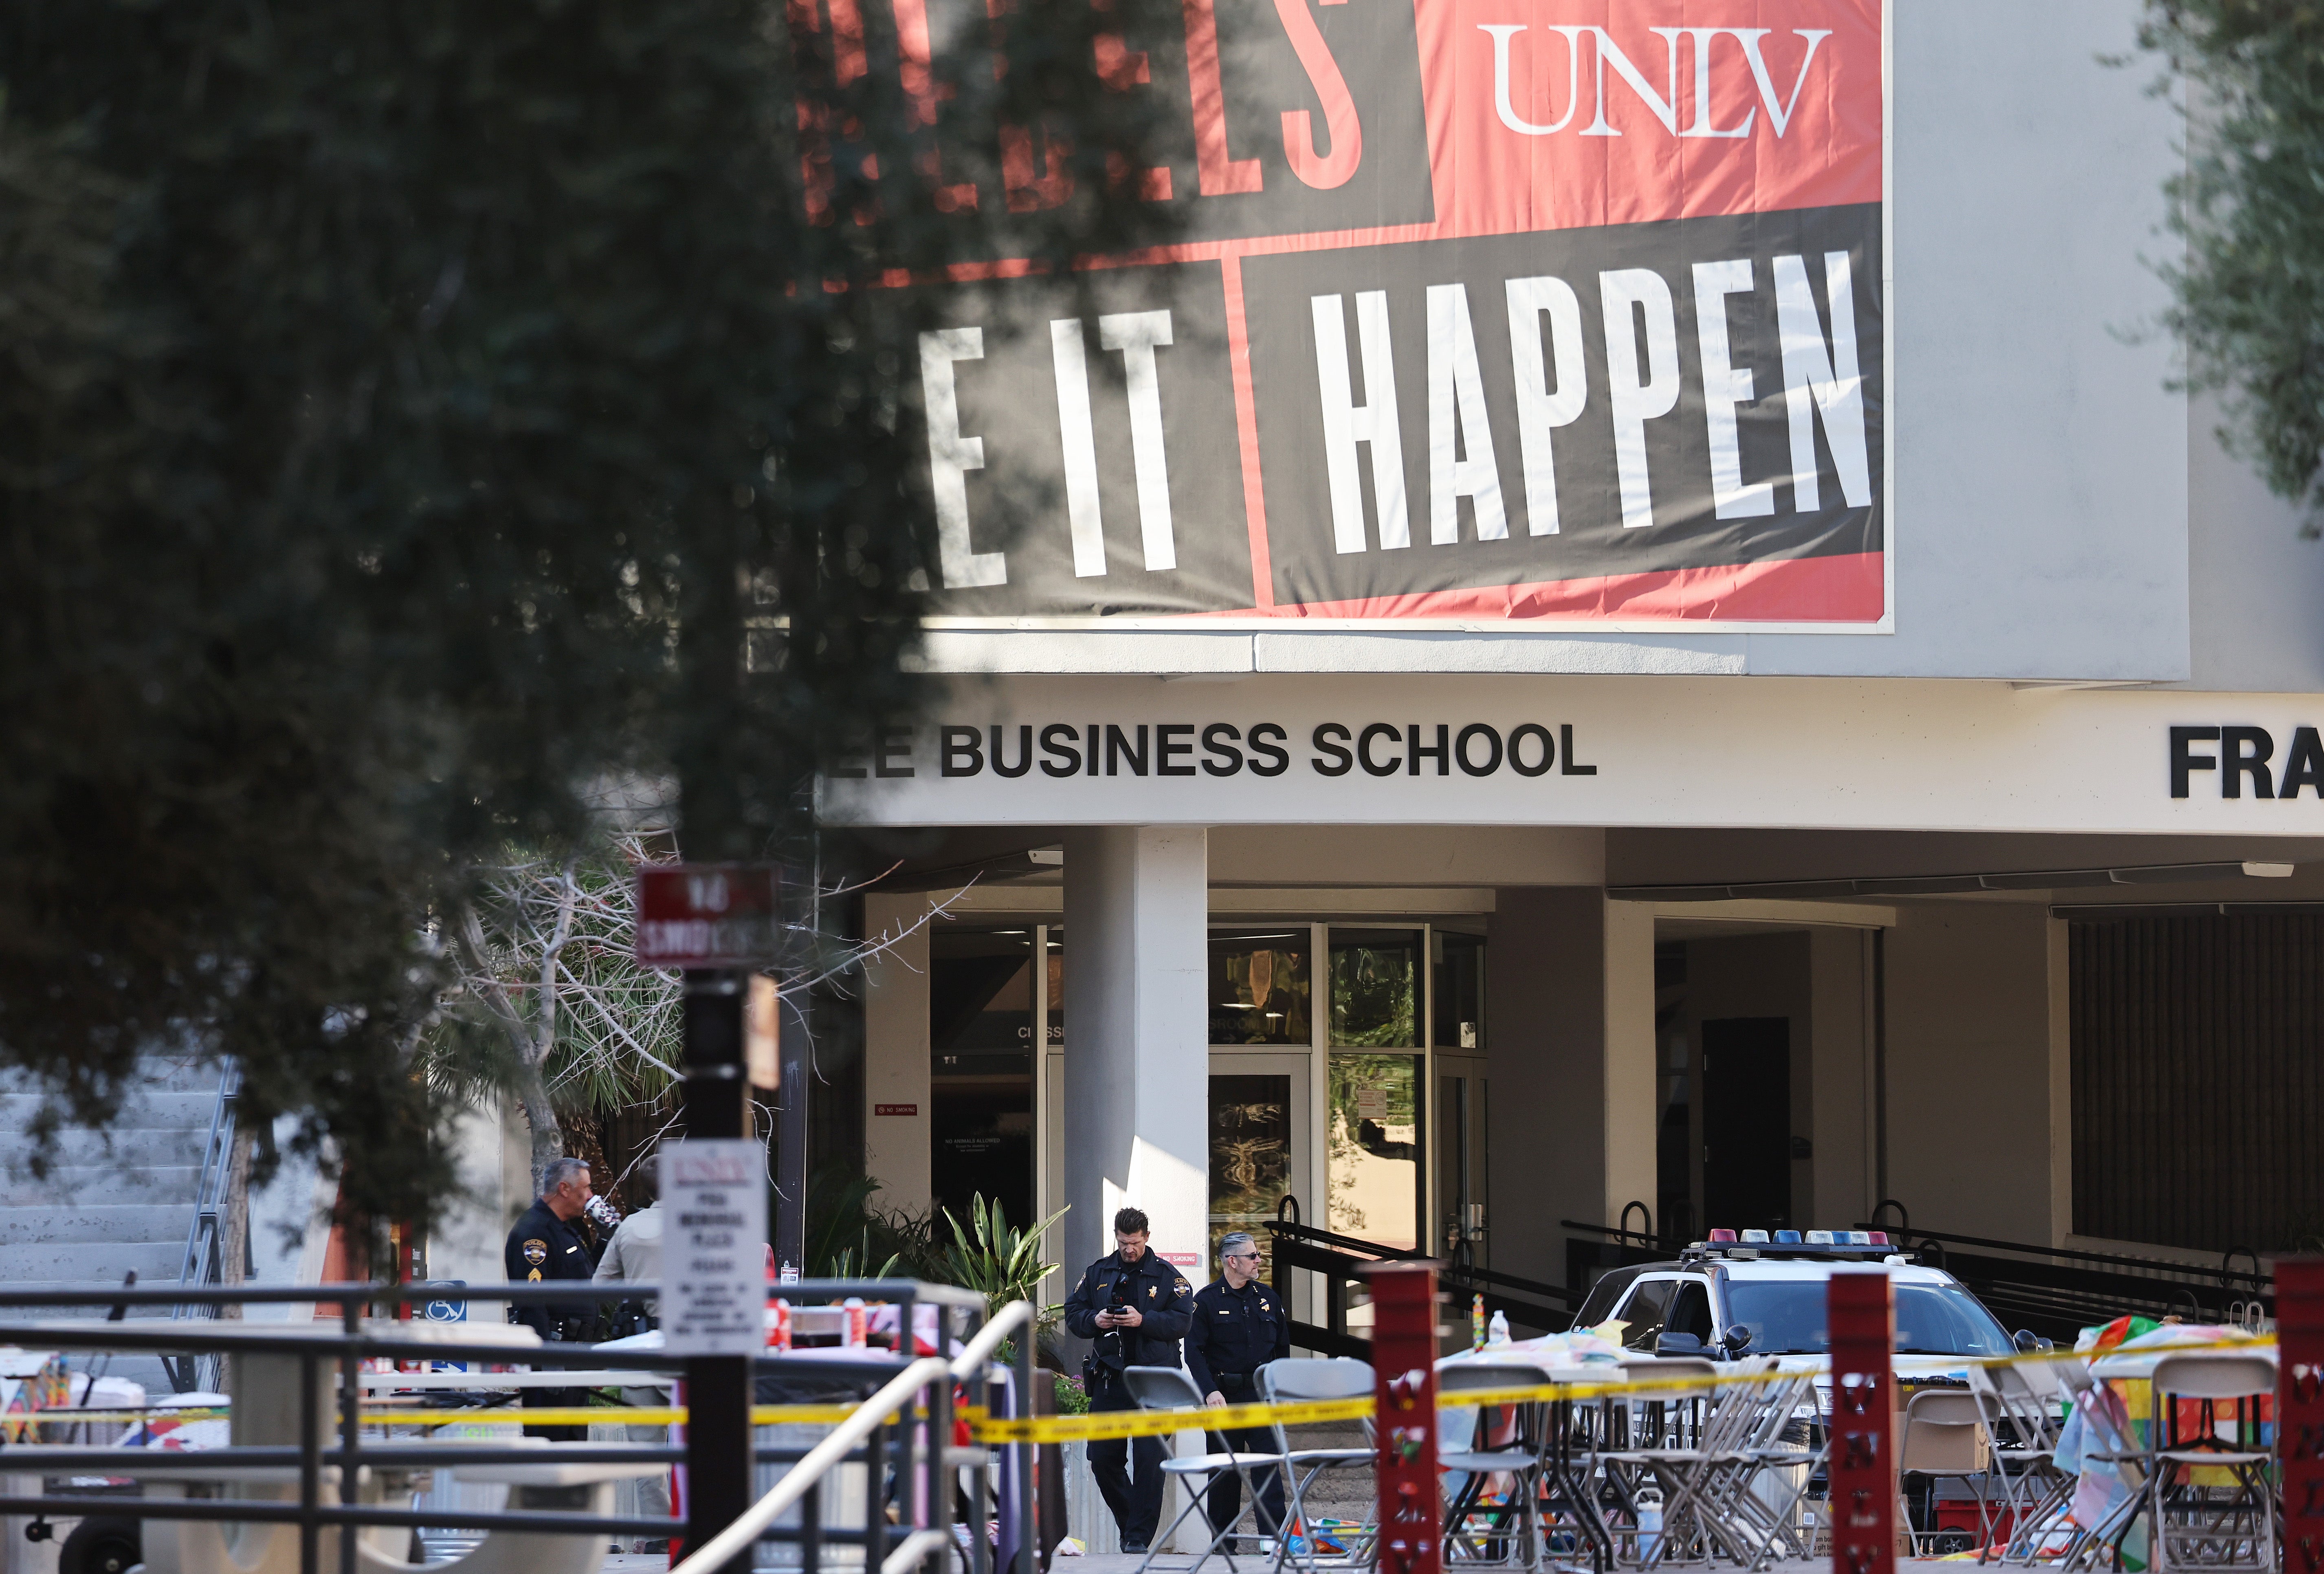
x=1559, y=406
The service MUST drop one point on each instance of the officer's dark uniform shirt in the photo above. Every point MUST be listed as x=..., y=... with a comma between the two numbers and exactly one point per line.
x=1235, y=1332
x=544, y=1247
x=1159, y=1292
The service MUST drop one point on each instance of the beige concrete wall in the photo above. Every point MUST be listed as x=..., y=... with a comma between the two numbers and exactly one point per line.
x=1839, y=1037
x=1977, y=1141
x=1570, y=1049
x=895, y=1053
x=1408, y=855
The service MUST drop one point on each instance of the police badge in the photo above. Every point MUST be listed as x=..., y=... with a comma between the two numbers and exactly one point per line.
x=536, y=1253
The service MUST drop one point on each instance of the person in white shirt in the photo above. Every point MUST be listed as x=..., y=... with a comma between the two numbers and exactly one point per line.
x=634, y=1255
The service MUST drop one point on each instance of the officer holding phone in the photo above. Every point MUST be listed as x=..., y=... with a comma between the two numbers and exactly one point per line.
x=1134, y=1308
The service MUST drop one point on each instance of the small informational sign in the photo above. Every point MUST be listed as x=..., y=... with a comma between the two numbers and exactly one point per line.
x=714, y=1247
x=1371, y=1104
x=706, y=915
x=1180, y=1259
x=896, y=1109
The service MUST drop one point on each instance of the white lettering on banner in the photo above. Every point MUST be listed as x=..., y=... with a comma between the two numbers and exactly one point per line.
x=1723, y=388
x=1456, y=425
x=952, y=456
x=1830, y=380
x=1663, y=109
x=1539, y=410
x=1079, y=443
x=714, y=1261
x=1630, y=295
x=1346, y=423
x=1136, y=334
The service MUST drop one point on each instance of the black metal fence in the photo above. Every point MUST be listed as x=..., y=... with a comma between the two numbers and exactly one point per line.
x=911, y=1462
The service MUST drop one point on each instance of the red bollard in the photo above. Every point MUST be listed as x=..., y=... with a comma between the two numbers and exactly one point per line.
x=1404, y=1363
x=1862, y=1316
x=2299, y=1409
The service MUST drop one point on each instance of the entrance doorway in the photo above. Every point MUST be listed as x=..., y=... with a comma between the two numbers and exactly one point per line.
x=1747, y=1116
x=1462, y=1102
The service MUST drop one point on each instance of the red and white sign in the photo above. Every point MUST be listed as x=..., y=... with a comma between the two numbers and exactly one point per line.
x=1180, y=1259
x=1515, y=311
x=706, y=915
x=895, y=1109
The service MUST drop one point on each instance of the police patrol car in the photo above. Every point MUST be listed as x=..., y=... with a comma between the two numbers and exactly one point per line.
x=1762, y=1294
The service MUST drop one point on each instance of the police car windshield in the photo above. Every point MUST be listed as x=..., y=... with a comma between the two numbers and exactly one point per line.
x=1786, y=1318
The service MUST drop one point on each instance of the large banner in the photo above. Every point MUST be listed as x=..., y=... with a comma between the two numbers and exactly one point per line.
x=1512, y=311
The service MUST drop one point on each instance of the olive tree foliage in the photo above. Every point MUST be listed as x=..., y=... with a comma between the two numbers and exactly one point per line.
x=2249, y=297
x=409, y=413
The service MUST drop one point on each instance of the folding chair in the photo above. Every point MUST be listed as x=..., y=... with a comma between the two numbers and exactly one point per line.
x=2109, y=1441
x=1171, y=1388
x=1680, y=1435
x=2211, y=1526
x=1289, y=1380
x=1945, y=1434
x=1762, y=1466
x=1514, y=1524
x=2018, y=1402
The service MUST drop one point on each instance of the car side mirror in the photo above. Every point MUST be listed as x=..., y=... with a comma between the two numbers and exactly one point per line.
x=1737, y=1340
x=2026, y=1341
x=1676, y=1344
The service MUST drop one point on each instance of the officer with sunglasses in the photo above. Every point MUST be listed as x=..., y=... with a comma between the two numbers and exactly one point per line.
x=1239, y=1325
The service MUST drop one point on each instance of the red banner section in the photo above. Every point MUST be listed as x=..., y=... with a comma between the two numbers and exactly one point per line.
x=1518, y=310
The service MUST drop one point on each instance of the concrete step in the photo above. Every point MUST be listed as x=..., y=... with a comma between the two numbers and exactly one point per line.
x=136, y=1221
x=155, y=1073
x=142, y=1107
x=123, y=1148
x=158, y=1185
x=98, y=1264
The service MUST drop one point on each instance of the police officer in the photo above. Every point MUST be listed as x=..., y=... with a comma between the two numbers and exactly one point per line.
x=548, y=1244
x=1238, y=1327
x=1134, y=1307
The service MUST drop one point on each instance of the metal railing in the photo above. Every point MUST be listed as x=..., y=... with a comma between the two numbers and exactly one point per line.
x=1343, y=1260
x=202, y=1265
x=901, y=1430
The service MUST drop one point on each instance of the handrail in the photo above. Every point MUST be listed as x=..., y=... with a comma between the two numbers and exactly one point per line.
x=979, y=1350
x=809, y=1473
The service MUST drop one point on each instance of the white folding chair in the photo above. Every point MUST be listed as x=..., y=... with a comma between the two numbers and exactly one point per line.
x=1171, y=1388
x=1289, y=1380
x=1677, y=1437
x=2228, y=1525
x=2019, y=1403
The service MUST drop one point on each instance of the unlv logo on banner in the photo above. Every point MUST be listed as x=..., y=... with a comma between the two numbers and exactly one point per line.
x=1496, y=309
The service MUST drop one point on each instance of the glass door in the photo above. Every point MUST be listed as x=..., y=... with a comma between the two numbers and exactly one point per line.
x=1375, y=1178
x=1257, y=1143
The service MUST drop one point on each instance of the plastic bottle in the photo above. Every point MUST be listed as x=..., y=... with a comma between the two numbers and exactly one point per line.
x=1500, y=1332
x=855, y=1331
x=1650, y=1523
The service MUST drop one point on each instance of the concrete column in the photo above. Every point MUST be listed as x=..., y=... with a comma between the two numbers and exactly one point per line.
x=1572, y=1050
x=1136, y=1058
x=896, y=1054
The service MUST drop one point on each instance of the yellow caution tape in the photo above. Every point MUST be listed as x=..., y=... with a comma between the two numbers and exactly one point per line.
x=1098, y=1425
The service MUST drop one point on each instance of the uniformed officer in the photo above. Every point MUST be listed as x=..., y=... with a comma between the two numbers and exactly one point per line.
x=1135, y=1307
x=1238, y=1327
x=546, y=1244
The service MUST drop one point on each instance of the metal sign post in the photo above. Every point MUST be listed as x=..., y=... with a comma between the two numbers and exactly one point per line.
x=1404, y=1357
x=1862, y=1316
x=714, y=920
x=2299, y=1409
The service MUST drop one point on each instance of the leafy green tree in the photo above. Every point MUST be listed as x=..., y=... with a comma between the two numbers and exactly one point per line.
x=2249, y=298
x=409, y=413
